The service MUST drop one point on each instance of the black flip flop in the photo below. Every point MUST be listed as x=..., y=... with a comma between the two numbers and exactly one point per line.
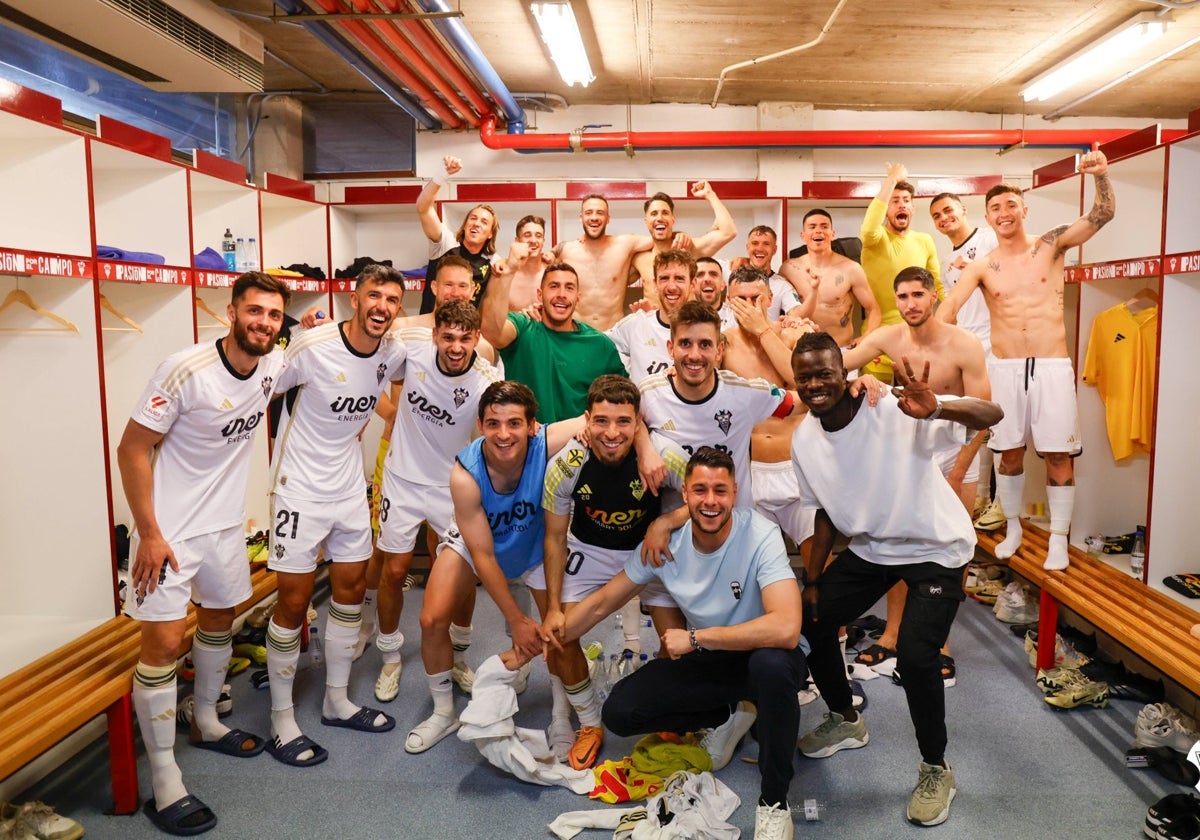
x=1173, y=766
x=184, y=817
x=231, y=743
x=287, y=753
x=362, y=721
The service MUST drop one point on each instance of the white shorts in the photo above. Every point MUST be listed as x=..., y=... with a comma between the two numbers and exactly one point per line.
x=403, y=506
x=213, y=571
x=777, y=497
x=301, y=529
x=1038, y=398
x=945, y=459
x=589, y=567
x=453, y=540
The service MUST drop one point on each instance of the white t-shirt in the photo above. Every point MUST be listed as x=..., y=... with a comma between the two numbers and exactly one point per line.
x=641, y=340
x=783, y=297
x=435, y=415
x=724, y=419
x=208, y=413
x=723, y=588
x=317, y=456
x=877, y=481
x=973, y=316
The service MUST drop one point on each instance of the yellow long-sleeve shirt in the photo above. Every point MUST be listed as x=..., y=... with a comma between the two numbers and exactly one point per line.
x=885, y=253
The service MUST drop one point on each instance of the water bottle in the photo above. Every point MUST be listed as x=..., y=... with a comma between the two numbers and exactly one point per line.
x=251, y=254
x=626, y=663
x=239, y=254
x=641, y=660
x=1137, y=555
x=229, y=251
x=316, y=656
x=811, y=809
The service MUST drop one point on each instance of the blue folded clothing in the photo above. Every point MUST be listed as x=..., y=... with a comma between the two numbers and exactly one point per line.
x=211, y=259
x=108, y=252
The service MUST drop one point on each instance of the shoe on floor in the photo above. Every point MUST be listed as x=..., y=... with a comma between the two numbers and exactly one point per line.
x=931, y=798
x=428, y=732
x=949, y=671
x=586, y=747
x=387, y=684
x=1017, y=604
x=1060, y=679
x=721, y=742
x=808, y=693
x=185, y=710
x=858, y=696
x=1162, y=725
x=1065, y=654
x=35, y=821
x=992, y=517
x=463, y=677
x=833, y=735
x=1085, y=693
x=875, y=655
x=1183, y=827
x=773, y=822
x=560, y=736
x=1169, y=809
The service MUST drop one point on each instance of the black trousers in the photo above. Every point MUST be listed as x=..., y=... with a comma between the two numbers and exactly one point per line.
x=849, y=586
x=700, y=689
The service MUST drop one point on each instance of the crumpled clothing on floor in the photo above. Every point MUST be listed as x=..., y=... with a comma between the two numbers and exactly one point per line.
x=692, y=806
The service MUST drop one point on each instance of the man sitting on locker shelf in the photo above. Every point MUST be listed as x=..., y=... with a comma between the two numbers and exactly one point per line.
x=184, y=460
x=741, y=656
x=474, y=241
x=597, y=516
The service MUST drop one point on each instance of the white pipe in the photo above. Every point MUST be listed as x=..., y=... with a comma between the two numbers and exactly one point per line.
x=775, y=55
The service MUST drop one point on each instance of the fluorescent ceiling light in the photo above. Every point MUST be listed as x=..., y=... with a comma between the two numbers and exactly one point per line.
x=561, y=35
x=1098, y=58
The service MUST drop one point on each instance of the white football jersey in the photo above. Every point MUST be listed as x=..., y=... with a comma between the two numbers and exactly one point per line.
x=724, y=419
x=435, y=415
x=641, y=340
x=317, y=456
x=972, y=315
x=783, y=297
x=208, y=413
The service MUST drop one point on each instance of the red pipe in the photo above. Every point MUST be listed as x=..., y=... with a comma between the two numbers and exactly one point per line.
x=421, y=36
x=674, y=140
x=419, y=63
x=363, y=34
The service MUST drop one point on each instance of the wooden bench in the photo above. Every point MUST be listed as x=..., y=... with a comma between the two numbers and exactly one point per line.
x=1151, y=625
x=44, y=702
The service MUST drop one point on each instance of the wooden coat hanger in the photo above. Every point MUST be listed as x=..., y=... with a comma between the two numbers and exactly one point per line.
x=202, y=306
x=1142, y=300
x=19, y=296
x=134, y=326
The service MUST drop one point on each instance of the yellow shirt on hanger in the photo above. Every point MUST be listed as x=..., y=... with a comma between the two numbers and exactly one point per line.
x=1120, y=362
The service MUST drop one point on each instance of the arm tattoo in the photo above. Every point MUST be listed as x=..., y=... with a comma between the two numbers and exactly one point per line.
x=1049, y=238
x=1105, y=205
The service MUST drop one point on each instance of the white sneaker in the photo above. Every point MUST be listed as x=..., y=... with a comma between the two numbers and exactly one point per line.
x=428, y=732
x=521, y=682
x=387, y=684
x=463, y=677
x=722, y=741
x=1162, y=725
x=773, y=822
x=809, y=693
x=561, y=737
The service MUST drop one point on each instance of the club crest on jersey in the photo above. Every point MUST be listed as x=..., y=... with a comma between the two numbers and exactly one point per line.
x=736, y=588
x=575, y=457
x=636, y=488
x=460, y=396
x=279, y=550
x=267, y=382
x=380, y=373
x=724, y=419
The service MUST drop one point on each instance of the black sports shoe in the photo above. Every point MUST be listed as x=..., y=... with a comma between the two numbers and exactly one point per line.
x=1169, y=808
x=1184, y=827
x=1123, y=684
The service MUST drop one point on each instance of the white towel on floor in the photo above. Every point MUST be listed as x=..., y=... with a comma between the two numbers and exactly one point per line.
x=487, y=722
x=691, y=806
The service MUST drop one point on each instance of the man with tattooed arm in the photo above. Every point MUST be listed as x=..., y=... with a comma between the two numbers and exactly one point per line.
x=1031, y=374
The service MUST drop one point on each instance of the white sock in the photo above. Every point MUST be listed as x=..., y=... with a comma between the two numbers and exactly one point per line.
x=442, y=691
x=1009, y=490
x=389, y=645
x=154, y=701
x=460, y=640
x=210, y=655
x=283, y=654
x=583, y=698
x=631, y=625
x=1061, y=501
x=341, y=635
x=561, y=704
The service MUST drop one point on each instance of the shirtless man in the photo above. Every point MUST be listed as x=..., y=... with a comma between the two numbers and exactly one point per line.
x=958, y=366
x=527, y=260
x=760, y=348
x=1022, y=283
x=660, y=221
x=603, y=263
x=829, y=284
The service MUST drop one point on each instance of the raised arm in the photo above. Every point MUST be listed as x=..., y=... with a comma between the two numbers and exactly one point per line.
x=431, y=225
x=872, y=226
x=723, y=230
x=1104, y=206
x=494, y=325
